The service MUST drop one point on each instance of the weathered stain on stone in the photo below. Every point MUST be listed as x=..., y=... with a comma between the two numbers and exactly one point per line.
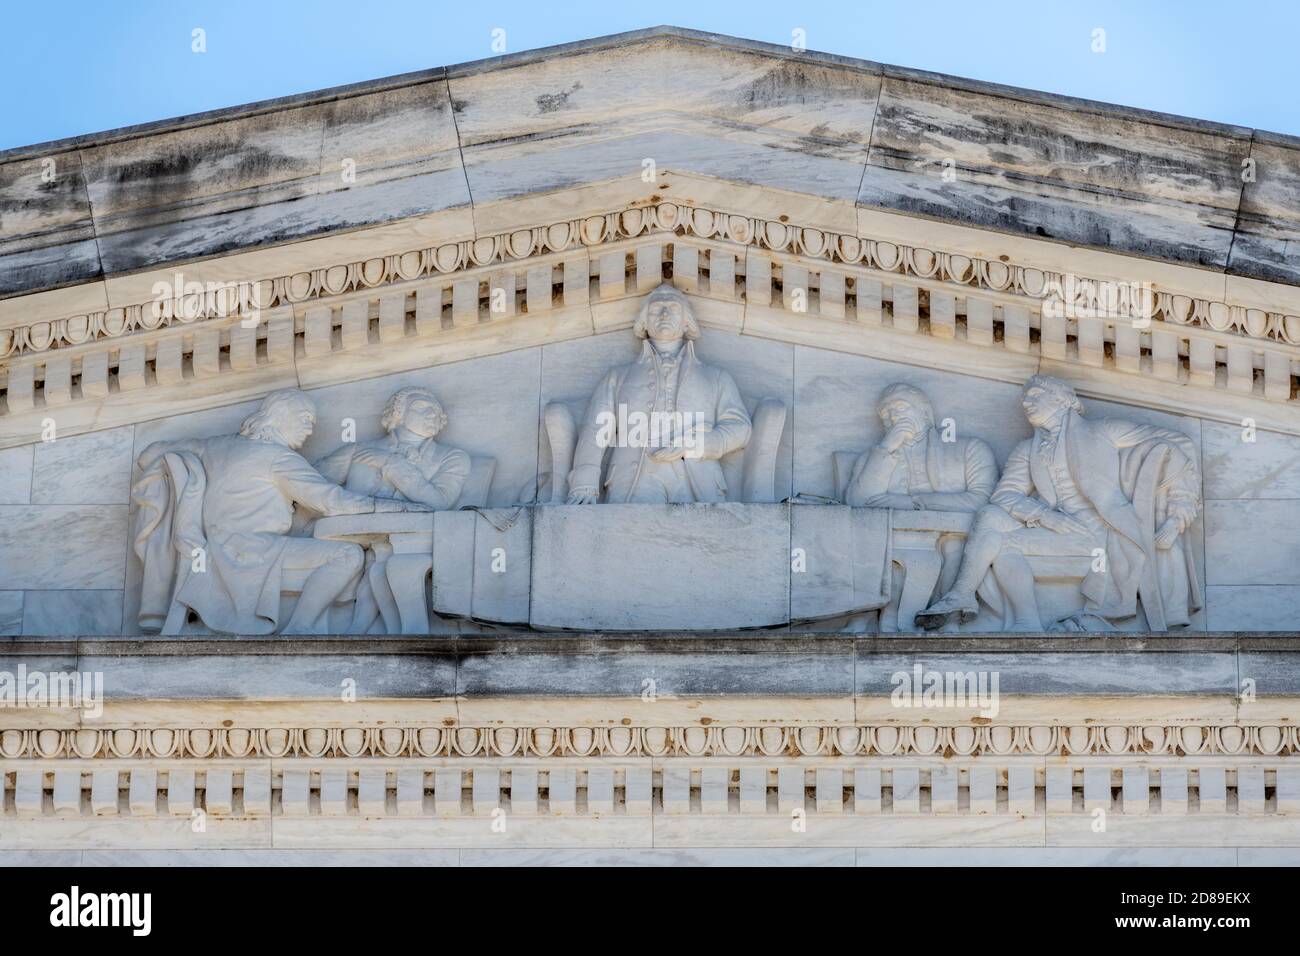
x=554, y=102
x=1091, y=175
x=241, y=160
x=783, y=85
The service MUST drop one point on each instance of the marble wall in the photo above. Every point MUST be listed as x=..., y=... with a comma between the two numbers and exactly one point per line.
x=67, y=566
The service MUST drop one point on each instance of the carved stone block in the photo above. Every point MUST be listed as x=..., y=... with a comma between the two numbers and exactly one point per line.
x=652, y=567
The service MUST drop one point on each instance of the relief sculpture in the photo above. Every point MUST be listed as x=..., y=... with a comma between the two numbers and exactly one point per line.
x=407, y=464
x=917, y=467
x=1116, y=494
x=665, y=420
x=212, y=527
x=240, y=534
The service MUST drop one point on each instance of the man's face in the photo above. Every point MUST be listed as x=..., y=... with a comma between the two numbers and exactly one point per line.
x=1041, y=407
x=665, y=320
x=899, y=412
x=421, y=417
x=298, y=425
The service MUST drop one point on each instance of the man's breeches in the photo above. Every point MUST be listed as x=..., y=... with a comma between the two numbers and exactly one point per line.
x=1015, y=537
x=305, y=554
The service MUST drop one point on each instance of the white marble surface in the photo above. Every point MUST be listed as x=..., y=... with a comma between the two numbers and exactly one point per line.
x=1139, y=856
x=11, y=612
x=1263, y=607
x=1048, y=856
x=1268, y=856
x=836, y=397
x=16, y=475
x=841, y=564
x=761, y=369
x=675, y=566
x=494, y=405
x=204, y=424
x=1268, y=467
x=491, y=406
x=797, y=125
x=251, y=857
x=1252, y=542
x=60, y=547
x=92, y=469
x=68, y=613
x=726, y=856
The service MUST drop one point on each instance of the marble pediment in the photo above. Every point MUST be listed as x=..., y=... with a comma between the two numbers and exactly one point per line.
x=482, y=265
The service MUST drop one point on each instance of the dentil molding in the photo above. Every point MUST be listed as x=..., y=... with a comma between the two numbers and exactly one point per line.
x=528, y=286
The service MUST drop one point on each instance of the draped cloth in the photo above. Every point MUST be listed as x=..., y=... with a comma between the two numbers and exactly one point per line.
x=168, y=527
x=1153, y=476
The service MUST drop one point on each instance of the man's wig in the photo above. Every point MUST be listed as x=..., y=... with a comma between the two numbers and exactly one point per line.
x=265, y=423
x=395, y=407
x=666, y=291
x=1061, y=391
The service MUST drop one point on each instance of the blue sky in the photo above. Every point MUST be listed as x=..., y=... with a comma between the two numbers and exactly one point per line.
x=80, y=66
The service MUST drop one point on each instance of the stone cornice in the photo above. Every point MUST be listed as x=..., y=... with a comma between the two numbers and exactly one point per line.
x=570, y=799
x=1204, y=195
x=747, y=679
x=963, y=273
x=202, y=774
x=755, y=275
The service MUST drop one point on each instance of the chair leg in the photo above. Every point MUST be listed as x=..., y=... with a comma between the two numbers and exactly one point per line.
x=920, y=574
x=406, y=574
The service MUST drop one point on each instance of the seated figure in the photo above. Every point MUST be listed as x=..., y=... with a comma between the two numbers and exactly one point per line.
x=213, y=519
x=1115, y=491
x=914, y=468
x=666, y=385
x=408, y=465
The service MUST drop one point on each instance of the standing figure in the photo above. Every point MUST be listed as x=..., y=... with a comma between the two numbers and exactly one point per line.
x=667, y=417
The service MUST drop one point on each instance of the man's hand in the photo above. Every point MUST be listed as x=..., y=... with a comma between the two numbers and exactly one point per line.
x=897, y=502
x=896, y=437
x=400, y=471
x=664, y=455
x=1168, y=534
x=583, y=495
x=1062, y=523
x=368, y=456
